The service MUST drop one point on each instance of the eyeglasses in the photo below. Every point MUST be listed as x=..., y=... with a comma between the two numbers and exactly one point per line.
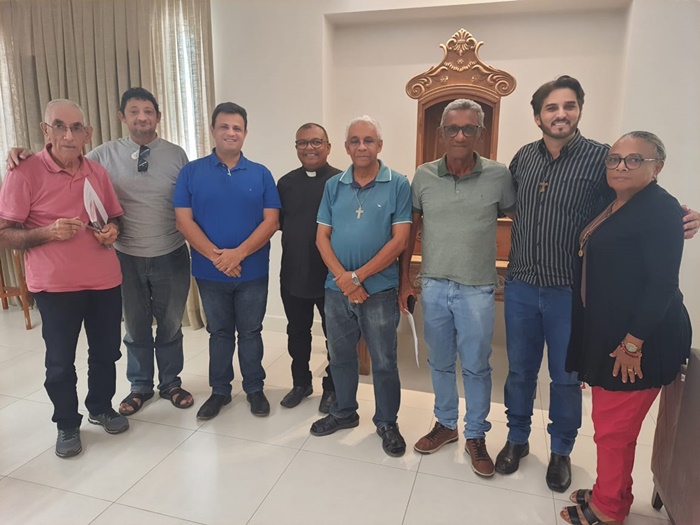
x=142, y=163
x=632, y=162
x=60, y=129
x=355, y=142
x=314, y=143
x=467, y=131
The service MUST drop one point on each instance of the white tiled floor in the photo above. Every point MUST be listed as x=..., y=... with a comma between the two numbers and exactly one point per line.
x=170, y=469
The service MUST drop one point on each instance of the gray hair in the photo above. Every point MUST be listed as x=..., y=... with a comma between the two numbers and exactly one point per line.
x=61, y=102
x=649, y=138
x=364, y=118
x=463, y=103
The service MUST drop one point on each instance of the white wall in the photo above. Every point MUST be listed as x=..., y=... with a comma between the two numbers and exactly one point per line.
x=660, y=94
x=292, y=62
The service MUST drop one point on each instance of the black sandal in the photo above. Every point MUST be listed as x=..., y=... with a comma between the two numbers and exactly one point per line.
x=590, y=516
x=176, y=394
x=135, y=400
x=579, y=496
x=392, y=440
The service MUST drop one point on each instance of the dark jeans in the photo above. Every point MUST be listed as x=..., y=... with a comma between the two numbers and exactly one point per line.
x=376, y=321
x=536, y=316
x=300, y=319
x=154, y=287
x=62, y=317
x=232, y=307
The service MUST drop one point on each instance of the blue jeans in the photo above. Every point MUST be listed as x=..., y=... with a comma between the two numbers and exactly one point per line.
x=233, y=307
x=535, y=316
x=154, y=287
x=459, y=319
x=376, y=321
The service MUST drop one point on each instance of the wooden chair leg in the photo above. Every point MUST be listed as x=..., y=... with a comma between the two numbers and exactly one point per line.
x=365, y=361
x=3, y=291
x=23, y=292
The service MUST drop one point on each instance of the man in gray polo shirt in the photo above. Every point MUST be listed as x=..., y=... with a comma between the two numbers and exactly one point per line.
x=456, y=200
x=154, y=258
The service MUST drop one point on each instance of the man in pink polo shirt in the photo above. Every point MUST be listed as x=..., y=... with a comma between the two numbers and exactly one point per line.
x=71, y=270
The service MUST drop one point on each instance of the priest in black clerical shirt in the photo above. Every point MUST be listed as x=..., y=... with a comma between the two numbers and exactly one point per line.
x=303, y=272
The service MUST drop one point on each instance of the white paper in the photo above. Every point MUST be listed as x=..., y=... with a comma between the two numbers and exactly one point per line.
x=412, y=322
x=93, y=205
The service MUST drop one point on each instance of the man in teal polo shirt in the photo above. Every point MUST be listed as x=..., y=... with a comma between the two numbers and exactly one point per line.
x=456, y=199
x=363, y=225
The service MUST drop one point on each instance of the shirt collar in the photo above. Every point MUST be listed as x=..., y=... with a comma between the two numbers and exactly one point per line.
x=151, y=144
x=53, y=167
x=476, y=170
x=241, y=165
x=385, y=174
x=570, y=146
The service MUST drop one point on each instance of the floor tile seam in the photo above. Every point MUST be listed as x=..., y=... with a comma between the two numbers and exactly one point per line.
x=149, y=511
x=10, y=476
x=410, y=494
x=249, y=440
x=551, y=496
x=363, y=461
x=166, y=456
x=262, y=502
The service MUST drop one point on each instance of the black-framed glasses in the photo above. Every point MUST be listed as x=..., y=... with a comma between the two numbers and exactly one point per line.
x=60, y=129
x=467, y=131
x=632, y=162
x=314, y=143
x=142, y=163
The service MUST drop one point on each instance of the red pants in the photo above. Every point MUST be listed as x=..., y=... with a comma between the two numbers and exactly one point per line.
x=617, y=418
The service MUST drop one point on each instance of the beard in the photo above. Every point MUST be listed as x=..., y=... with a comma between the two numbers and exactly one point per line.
x=550, y=130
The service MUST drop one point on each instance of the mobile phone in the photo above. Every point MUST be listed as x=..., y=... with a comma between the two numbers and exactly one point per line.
x=411, y=303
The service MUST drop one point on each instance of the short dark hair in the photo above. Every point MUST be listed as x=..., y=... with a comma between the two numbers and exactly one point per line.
x=310, y=125
x=563, y=82
x=229, y=108
x=138, y=93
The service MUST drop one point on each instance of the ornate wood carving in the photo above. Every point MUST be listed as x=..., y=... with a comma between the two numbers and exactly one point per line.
x=460, y=67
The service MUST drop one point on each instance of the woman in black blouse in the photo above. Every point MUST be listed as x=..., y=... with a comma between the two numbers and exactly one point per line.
x=630, y=331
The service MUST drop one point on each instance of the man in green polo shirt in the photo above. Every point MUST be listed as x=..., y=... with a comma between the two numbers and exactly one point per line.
x=456, y=200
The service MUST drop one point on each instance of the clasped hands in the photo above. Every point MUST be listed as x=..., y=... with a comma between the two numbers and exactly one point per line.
x=228, y=261
x=355, y=294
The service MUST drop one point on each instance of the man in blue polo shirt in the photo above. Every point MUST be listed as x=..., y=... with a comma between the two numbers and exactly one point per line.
x=227, y=207
x=363, y=225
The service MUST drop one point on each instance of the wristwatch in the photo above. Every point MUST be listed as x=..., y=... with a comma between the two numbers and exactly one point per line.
x=630, y=347
x=355, y=280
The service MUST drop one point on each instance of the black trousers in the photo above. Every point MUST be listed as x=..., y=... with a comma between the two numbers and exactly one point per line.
x=300, y=318
x=62, y=317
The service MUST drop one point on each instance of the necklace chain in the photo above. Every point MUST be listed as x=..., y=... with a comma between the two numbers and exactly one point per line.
x=359, y=211
x=593, y=227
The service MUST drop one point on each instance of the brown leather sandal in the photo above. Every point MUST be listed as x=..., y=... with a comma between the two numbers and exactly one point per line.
x=176, y=395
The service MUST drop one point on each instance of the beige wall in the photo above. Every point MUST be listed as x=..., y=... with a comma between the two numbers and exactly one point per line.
x=291, y=62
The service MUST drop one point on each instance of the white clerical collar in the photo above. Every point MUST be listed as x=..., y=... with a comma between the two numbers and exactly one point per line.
x=310, y=173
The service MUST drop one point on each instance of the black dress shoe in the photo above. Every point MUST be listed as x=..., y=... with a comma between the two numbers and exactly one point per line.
x=327, y=400
x=508, y=459
x=296, y=395
x=259, y=405
x=559, y=473
x=212, y=406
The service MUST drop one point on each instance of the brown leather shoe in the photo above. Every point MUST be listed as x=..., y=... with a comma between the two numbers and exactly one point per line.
x=481, y=461
x=435, y=439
